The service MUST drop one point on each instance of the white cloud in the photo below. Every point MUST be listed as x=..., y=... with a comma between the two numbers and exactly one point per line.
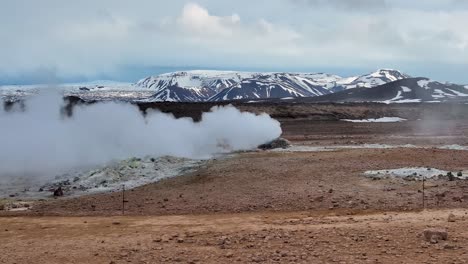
x=229, y=34
x=196, y=19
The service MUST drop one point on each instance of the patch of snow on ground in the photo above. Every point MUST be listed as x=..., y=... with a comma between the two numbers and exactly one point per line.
x=305, y=148
x=454, y=147
x=376, y=120
x=417, y=173
x=406, y=89
x=458, y=93
x=302, y=148
x=397, y=97
x=423, y=83
x=404, y=101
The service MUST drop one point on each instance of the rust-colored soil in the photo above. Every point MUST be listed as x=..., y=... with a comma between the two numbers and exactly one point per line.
x=273, y=207
x=293, y=237
x=267, y=181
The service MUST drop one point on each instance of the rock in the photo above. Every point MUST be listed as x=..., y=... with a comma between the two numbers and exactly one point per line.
x=165, y=238
x=451, y=218
x=460, y=174
x=58, y=192
x=224, y=241
x=277, y=143
x=450, y=176
x=434, y=235
x=449, y=247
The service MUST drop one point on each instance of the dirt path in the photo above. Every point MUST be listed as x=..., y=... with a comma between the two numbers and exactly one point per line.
x=302, y=237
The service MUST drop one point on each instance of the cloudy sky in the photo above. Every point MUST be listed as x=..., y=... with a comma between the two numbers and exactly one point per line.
x=126, y=40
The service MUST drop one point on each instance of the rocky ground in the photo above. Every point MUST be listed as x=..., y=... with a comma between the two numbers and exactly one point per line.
x=258, y=237
x=279, y=181
x=267, y=206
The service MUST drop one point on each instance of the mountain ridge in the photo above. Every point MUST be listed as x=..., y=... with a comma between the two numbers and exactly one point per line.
x=383, y=85
x=231, y=85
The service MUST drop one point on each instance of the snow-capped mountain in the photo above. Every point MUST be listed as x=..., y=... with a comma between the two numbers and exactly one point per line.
x=389, y=86
x=191, y=86
x=410, y=90
x=195, y=86
x=374, y=79
x=276, y=85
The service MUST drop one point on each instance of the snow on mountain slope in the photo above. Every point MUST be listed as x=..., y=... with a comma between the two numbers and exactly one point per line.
x=273, y=85
x=230, y=85
x=215, y=80
x=374, y=79
x=175, y=93
x=410, y=90
x=209, y=85
x=204, y=85
x=190, y=86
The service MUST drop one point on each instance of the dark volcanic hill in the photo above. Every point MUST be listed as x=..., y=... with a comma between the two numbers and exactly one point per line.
x=401, y=91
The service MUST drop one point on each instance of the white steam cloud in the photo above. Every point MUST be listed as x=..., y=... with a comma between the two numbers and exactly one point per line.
x=40, y=142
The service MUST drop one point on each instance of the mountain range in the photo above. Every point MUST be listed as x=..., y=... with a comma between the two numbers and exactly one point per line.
x=384, y=85
x=196, y=86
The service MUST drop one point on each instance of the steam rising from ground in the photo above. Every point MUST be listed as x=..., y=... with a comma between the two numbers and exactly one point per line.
x=41, y=142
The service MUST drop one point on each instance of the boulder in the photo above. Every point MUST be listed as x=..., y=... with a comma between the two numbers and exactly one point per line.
x=451, y=218
x=434, y=235
x=58, y=192
x=277, y=143
x=450, y=176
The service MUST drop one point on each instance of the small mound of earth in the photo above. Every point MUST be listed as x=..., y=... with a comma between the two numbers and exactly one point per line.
x=416, y=173
x=276, y=144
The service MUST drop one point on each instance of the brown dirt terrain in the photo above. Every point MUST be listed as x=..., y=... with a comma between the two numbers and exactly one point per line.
x=273, y=207
x=284, y=182
x=282, y=237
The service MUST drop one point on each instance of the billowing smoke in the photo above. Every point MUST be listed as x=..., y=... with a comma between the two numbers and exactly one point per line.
x=41, y=142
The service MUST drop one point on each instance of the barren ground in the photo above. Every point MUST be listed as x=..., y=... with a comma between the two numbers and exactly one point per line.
x=306, y=207
x=280, y=237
